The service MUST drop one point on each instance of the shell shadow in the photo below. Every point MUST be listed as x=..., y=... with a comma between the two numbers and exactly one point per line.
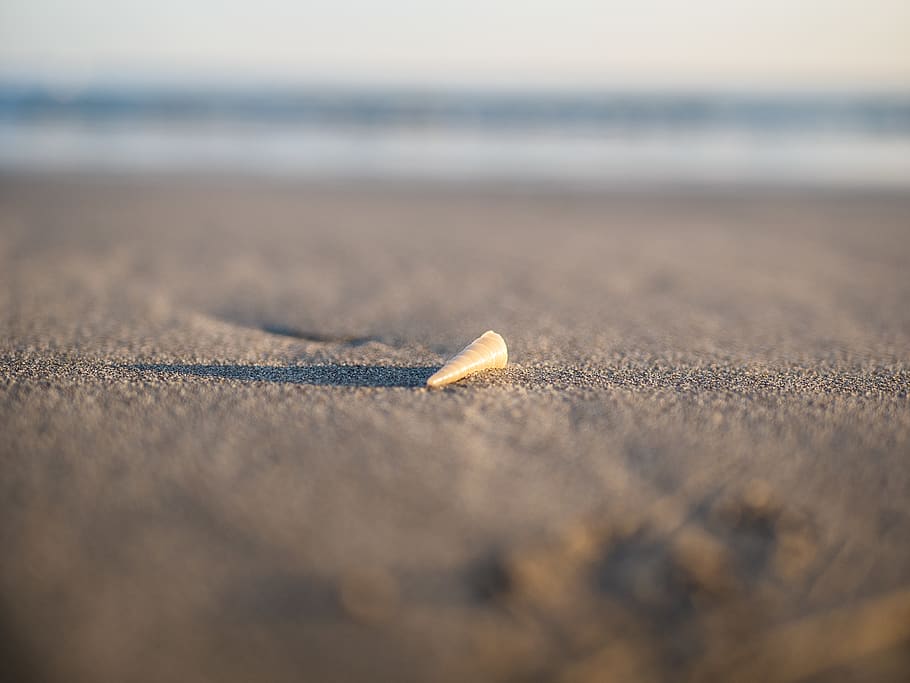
x=317, y=375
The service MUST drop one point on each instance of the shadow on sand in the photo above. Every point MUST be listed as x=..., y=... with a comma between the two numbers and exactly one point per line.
x=318, y=375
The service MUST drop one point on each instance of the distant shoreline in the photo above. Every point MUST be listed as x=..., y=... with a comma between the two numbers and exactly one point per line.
x=504, y=188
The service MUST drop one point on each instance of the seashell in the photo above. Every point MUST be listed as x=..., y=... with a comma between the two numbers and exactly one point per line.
x=487, y=351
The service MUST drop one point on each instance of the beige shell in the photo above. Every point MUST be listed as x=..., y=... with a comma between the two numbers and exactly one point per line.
x=487, y=351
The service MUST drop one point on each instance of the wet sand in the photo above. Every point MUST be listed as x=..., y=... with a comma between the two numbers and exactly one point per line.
x=219, y=461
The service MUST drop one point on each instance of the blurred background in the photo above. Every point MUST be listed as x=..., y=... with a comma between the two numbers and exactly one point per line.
x=573, y=92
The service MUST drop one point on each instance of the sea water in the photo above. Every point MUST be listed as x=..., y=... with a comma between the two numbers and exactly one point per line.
x=589, y=138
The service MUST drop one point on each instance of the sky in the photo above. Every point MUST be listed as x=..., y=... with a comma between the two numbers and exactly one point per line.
x=628, y=43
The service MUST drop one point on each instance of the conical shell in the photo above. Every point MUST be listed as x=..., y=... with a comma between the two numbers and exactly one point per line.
x=487, y=351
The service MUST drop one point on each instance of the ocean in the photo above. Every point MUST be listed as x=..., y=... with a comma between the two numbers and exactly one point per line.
x=593, y=138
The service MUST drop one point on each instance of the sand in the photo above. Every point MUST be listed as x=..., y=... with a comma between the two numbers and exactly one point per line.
x=219, y=461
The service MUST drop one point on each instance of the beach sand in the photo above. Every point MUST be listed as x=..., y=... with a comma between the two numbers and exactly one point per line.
x=219, y=461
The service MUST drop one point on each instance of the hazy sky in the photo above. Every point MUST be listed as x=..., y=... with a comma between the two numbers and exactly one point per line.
x=572, y=42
